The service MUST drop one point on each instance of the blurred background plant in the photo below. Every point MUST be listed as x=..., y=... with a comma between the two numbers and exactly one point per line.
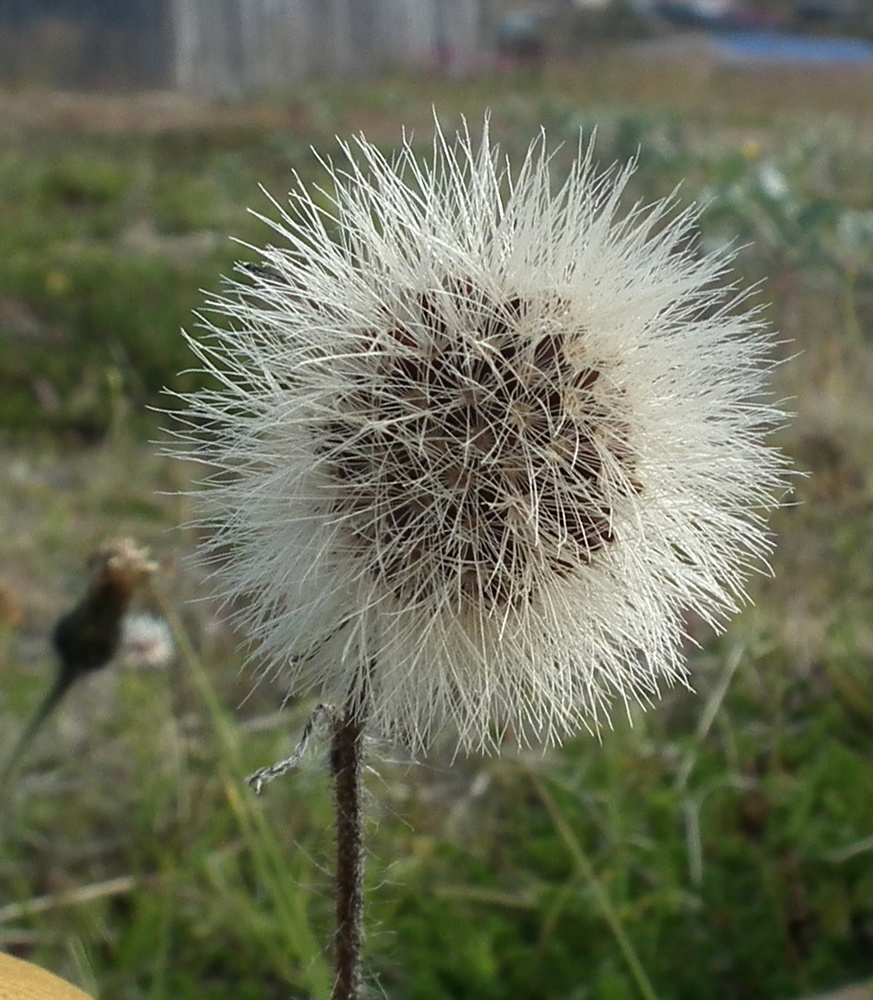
x=721, y=846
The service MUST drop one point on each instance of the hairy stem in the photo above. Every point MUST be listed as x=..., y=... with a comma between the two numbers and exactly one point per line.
x=347, y=764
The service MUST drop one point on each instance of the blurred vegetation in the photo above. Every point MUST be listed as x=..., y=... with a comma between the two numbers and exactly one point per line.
x=720, y=847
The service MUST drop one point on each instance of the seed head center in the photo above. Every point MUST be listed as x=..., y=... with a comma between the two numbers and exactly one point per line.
x=476, y=459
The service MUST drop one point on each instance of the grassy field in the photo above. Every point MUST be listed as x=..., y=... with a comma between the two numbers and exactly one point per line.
x=721, y=846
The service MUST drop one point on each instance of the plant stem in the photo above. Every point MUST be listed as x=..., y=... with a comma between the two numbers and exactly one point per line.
x=347, y=764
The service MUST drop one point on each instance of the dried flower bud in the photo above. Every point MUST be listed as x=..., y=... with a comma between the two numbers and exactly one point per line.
x=88, y=636
x=121, y=564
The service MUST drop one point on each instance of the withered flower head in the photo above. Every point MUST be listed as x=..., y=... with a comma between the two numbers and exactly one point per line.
x=122, y=564
x=88, y=636
x=481, y=441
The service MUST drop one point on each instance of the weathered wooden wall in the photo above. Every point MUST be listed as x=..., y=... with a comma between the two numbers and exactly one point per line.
x=258, y=45
x=86, y=43
x=232, y=48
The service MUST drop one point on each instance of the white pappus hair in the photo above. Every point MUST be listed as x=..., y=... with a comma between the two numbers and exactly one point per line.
x=479, y=441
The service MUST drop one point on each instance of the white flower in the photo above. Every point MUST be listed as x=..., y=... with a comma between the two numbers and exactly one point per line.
x=146, y=640
x=481, y=441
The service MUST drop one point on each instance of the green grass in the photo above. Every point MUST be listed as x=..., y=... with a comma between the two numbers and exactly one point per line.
x=719, y=847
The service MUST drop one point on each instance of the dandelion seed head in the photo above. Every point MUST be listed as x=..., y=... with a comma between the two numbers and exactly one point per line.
x=480, y=440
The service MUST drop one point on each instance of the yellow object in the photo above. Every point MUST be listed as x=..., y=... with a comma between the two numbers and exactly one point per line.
x=23, y=981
